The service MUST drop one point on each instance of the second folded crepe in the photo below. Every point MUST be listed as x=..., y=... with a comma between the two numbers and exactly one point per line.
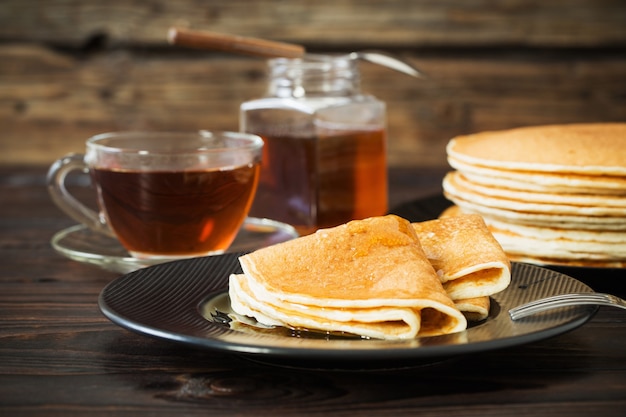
x=469, y=261
x=368, y=277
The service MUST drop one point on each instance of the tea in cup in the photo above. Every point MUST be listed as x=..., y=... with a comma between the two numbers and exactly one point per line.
x=165, y=194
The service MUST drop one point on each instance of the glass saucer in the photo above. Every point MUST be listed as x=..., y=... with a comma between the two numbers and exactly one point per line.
x=82, y=244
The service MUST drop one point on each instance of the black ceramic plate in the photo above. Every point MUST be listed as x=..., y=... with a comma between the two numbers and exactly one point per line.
x=186, y=301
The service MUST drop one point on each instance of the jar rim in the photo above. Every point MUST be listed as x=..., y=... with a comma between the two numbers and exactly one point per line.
x=319, y=62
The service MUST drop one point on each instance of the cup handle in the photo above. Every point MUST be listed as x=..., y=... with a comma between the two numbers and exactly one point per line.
x=68, y=203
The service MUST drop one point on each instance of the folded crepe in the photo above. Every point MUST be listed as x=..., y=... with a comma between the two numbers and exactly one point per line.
x=468, y=259
x=367, y=277
x=474, y=309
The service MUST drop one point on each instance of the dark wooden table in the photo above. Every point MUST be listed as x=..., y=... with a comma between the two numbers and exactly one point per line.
x=60, y=356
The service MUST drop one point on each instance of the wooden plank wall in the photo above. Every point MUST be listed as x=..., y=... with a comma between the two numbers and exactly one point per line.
x=71, y=69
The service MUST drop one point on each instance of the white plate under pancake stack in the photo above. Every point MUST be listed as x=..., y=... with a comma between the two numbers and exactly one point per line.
x=550, y=194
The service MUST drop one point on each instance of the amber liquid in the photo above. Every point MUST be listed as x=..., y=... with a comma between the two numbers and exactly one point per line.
x=319, y=182
x=178, y=213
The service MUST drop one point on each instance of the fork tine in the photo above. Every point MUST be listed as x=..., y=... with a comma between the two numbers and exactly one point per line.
x=569, y=296
x=541, y=301
x=565, y=300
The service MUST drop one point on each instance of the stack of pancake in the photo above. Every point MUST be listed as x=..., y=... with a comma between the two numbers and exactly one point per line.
x=549, y=194
x=374, y=278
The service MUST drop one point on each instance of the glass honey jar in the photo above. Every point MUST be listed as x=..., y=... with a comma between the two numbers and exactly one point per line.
x=324, y=160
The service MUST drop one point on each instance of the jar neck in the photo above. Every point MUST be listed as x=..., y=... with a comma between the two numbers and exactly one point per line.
x=314, y=76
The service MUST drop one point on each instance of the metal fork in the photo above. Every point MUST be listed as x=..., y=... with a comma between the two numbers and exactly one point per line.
x=566, y=300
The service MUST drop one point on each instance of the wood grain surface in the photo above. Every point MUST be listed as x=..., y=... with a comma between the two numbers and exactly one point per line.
x=69, y=70
x=59, y=356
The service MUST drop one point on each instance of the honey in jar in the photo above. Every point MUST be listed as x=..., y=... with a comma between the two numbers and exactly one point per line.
x=324, y=159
